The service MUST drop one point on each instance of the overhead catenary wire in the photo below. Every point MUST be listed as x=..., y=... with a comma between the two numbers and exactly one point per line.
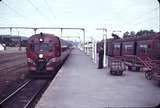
x=13, y=10
x=49, y=8
x=4, y=19
x=39, y=11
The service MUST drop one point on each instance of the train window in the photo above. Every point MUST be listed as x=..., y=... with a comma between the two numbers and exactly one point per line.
x=116, y=46
x=128, y=47
x=144, y=46
x=43, y=47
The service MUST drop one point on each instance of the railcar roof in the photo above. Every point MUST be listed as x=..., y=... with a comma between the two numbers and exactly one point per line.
x=44, y=34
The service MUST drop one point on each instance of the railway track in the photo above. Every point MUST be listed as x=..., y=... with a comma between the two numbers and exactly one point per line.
x=11, y=58
x=13, y=66
x=24, y=96
x=7, y=55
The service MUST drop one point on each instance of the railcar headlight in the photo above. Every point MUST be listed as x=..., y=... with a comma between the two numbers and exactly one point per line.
x=40, y=39
x=40, y=55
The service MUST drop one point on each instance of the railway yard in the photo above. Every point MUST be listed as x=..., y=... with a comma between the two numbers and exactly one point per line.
x=80, y=54
x=13, y=71
x=130, y=89
x=17, y=89
x=12, y=67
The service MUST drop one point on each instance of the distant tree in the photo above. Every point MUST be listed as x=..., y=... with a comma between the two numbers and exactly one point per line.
x=139, y=33
x=145, y=33
x=126, y=34
x=132, y=33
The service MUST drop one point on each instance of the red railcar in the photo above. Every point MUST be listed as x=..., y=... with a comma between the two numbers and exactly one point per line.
x=45, y=52
x=128, y=47
x=116, y=48
x=142, y=46
x=149, y=46
x=144, y=50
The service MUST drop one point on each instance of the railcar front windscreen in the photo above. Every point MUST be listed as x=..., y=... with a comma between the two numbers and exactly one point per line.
x=42, y=47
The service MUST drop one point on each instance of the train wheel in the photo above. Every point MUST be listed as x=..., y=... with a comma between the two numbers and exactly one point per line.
x=120, y=73
x=111, y=72
x=148, y=75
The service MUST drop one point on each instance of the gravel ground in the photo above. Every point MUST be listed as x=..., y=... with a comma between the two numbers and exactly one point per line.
x=13, y=67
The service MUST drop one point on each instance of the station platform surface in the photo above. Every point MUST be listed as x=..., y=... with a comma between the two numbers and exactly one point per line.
x=79, y=84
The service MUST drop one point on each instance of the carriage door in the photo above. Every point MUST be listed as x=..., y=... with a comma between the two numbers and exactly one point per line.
x=121, y=49
x=135, y=48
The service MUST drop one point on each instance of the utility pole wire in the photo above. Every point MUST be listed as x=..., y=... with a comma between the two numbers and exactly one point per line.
x=4, y=19
x=39, y=11
x=12, y=9
x=49, y=8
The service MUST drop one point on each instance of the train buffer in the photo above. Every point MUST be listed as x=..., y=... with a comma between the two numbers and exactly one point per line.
x=79, y=84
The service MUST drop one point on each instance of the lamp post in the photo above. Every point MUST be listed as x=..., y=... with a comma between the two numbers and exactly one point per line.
x=94, y=50
x=104, y=45
x=159, y=14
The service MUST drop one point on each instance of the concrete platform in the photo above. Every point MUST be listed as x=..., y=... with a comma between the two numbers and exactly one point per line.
x=79, y=84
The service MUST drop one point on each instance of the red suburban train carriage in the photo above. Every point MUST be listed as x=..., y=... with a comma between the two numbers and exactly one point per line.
x=45, y=52
x=142, y=46
x=149, y=46
x=144, y=50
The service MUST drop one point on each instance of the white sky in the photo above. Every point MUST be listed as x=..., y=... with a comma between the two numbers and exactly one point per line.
x=124, y=15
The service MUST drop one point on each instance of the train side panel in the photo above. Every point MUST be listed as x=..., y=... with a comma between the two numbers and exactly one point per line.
x=117, y=48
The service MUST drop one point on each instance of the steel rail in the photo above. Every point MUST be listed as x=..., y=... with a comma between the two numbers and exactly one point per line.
x=16, y=91
x=35, y=95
